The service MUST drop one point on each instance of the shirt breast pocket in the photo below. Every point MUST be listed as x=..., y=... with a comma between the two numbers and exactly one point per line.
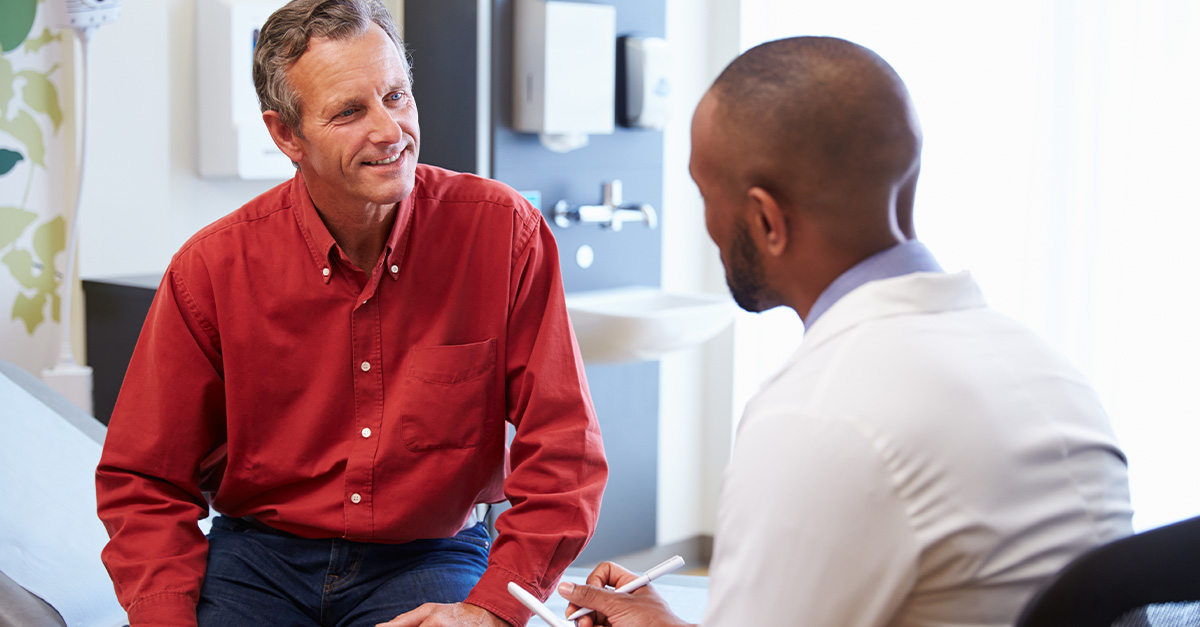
x=447, y=396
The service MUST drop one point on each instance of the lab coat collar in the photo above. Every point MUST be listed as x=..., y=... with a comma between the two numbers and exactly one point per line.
x=914, y=293
x=903, y=258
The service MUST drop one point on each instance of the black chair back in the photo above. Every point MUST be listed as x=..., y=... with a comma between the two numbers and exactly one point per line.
x=1150, y=579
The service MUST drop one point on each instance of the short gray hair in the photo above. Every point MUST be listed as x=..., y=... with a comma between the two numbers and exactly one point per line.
x=285, y=36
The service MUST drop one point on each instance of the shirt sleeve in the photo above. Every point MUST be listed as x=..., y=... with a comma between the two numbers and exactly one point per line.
x=167, y=419
x=809, y=529
x=557, y=457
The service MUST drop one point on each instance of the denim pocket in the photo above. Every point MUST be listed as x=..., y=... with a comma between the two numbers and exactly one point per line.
x=476, y=535
x=447, y=395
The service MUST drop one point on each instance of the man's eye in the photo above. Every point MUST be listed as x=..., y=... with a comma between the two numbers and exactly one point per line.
x=396, y=97
x=347, y=113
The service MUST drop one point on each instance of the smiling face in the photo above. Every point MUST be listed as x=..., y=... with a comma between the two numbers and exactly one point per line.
x=358, y=139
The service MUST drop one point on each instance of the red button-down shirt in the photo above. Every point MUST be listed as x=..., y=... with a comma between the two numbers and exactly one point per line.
x=277, y=380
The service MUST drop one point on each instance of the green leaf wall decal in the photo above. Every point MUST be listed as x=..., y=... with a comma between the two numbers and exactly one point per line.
x=26, y=130
x=6, y=85
x=41, y=95
x=16, y=18
x=29, y=311
x=12, y=223
x=8, y=160
x=39, y=282
x=33, y=45
x=49, y=240
x=20, y=265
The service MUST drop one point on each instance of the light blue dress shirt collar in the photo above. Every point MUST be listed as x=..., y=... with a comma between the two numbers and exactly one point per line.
x=903, y=258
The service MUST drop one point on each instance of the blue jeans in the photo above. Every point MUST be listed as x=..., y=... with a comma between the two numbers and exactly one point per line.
x=260, y=578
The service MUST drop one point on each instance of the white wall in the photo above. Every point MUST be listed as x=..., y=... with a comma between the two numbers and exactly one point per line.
x=143, y=195
x=696, y=404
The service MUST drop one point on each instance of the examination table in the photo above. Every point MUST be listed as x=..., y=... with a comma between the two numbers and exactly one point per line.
x=50, y=537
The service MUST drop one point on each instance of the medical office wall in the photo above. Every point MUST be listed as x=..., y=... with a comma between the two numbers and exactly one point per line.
x=37, y=179
x=144, y=197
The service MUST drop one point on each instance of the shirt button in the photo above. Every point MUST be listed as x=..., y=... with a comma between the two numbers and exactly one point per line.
x=395, y=269
x=366, y=365
x=366, y=432
x=324, y=271
x=355, y=498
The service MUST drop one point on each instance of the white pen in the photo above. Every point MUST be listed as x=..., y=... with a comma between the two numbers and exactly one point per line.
x=537, y=606
x=647, y=577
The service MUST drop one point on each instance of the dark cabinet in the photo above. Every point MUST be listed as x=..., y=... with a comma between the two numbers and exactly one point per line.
x=116, y=309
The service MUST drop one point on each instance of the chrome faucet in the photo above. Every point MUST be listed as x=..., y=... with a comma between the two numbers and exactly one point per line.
x=611, y=213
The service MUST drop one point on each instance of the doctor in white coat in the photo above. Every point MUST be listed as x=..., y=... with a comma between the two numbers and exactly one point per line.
x=920, y=460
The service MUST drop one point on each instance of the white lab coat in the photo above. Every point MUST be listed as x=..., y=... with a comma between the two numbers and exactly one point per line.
x=920, y=460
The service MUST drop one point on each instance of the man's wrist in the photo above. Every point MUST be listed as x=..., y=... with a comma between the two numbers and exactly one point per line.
x=496, y=620
x=491, y=594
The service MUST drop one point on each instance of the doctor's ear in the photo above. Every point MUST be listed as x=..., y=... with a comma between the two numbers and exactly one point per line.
x=769, y=224
x=284, y=137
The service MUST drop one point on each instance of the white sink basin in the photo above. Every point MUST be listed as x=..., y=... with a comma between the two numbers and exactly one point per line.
x=639, y=323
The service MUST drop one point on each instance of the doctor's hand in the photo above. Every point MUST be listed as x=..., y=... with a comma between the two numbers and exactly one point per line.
x=641, y=608
x=447, y=615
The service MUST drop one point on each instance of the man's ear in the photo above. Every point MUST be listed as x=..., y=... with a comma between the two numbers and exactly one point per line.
x=769, y=225
x=285, y=139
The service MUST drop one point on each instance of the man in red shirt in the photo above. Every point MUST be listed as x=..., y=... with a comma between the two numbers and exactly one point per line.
x=331, y=368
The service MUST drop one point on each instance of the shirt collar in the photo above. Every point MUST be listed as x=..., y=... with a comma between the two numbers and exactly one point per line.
x=323, y=247
x=903, y=258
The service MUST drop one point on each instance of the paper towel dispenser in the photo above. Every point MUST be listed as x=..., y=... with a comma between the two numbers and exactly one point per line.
x=564, y=71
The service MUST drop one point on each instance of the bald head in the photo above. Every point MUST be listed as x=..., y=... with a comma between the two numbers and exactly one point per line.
x=826, y=125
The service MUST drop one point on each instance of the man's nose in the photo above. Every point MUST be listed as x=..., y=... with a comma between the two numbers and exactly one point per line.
x=385, y=129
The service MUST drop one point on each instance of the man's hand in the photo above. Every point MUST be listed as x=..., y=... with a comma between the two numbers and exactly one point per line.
x=447, y=615
x=640, y=608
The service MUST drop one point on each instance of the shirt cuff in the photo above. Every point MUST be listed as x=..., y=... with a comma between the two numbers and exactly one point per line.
x=491, y=593
x=177, y=609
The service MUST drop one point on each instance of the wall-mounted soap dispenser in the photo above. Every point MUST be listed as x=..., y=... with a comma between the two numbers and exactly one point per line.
x=564, y=71
x=232, y=137
x=646, y=101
